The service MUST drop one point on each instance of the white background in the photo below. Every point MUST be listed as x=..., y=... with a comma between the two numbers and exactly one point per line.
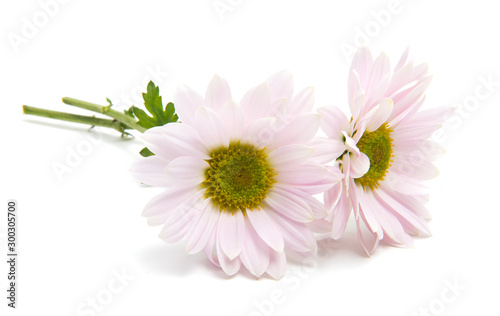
x=78, y=230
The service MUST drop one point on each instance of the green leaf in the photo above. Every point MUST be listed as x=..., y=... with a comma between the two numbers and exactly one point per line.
x=129, y=112
x=144, y=120
x=154, y=105
x=145, y=152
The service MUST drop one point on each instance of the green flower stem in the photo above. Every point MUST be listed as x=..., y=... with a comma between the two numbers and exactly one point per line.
x=106, y=110
x=90, y=120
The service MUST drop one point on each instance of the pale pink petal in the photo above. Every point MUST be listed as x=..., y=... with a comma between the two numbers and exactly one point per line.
x=175, y=140
x=297, y=236
x=321, y=228
x=351, y=144
x=401, y=78
x=255, y=103
x=402, y=61
x=290, y=156
x=380, y=68
x=359, y=165
x=160, y=207
x=325, y=149
x=233, y=118
x=218, y=93
x=423, y=124
x=229, y=266
x=420, y=71
x=302, y=174
x=408, y=113
x=277, y=265
x=340, y=217
x=389, y=223
x=201, y=228
x=367, y=210
x=255, y=253
x=365, y=243
x=362, y=63
x=356, y=94
x=186, y=102
x=210, y=249
x=405, y=185
x=317, y=208
x=289, y=205
x=186, y=171
x=353, y=190
x=231, y=233
x=421, y=149
x=322, y=185
x=333, y=122
x=378, y=93
x=302, y=102
x=299, y=131
x=410, y=99
x=380, y=116
x=260, y=132
x=331, y=198
x=404, y=210
x=151, y=170
x=211, y=128
x=177, y=223
x=266, y=229
x=280, y=85
x=416, y=168
x=345, y=166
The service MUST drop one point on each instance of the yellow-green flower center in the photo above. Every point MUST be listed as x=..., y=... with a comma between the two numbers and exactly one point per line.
x=239, y=177
x=377, y=145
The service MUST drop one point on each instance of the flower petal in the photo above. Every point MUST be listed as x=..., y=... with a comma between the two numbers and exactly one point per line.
x=151, y=170
x=289, y=205
x=186, y=102
x=326, y=149
x=302, y=102
x=201, y=228
x=359, y=165
x=231, y=233
x=297, y=236
x=340, y=217
x=255, y=103
x=290, y=156
x=277, y=265
x=280, y=85
x=299, y=131
x=175, y=140
x=266, y=229
x=186, y=171
x=255, y=254
x=233, y=118
x=229, y=266
x=161, y=206
x=403, y=210
x=303, y=174
x=351, y=144
x=259, y=132
x=218, y=93
x=177, y=223
x=210, y=127
x=333, y=122
x=380, y=116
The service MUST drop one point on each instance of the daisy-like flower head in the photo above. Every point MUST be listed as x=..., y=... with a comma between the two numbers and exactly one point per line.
x=240, y=177
x=386, y=152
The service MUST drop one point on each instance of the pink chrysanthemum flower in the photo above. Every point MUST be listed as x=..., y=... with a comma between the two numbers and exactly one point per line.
x=387, y=152
x=239, y=176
